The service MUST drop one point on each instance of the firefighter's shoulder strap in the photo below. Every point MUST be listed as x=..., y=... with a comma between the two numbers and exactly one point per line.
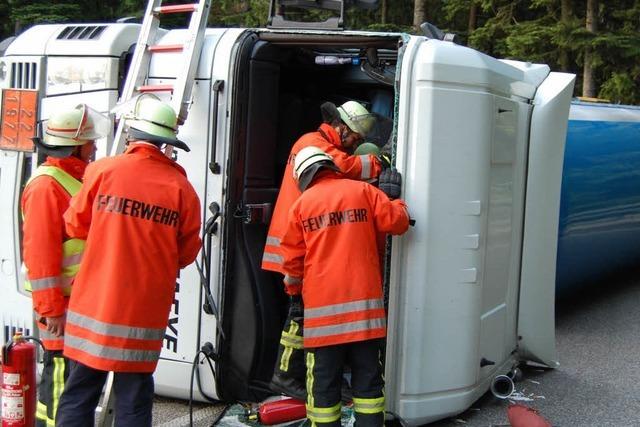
x=69, y=183
x=137, y=76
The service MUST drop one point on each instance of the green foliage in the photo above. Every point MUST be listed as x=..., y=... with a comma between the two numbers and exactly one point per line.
x=528, y=30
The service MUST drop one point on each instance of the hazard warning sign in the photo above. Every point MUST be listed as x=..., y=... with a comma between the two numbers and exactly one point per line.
x=19, y=118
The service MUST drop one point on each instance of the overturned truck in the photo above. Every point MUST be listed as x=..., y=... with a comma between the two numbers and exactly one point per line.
x=479, y=142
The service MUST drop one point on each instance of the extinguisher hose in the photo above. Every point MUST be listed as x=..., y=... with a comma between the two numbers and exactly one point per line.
x=34, y=339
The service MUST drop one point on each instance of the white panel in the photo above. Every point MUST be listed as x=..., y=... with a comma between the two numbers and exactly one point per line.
x=536, y=322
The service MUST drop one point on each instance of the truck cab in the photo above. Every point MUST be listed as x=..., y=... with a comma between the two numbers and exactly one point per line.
x=479, y=141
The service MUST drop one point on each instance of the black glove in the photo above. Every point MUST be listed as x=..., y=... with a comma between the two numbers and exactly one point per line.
x=295, y=306
x=385, y=160
x=390, y=181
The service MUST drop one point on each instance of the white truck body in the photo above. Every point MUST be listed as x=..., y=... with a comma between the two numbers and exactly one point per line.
x=479, y=142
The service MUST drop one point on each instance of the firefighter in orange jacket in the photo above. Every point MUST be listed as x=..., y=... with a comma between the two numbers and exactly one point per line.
x=51, y=256
x=344, y=127
x=331, y=257
x=140, y=217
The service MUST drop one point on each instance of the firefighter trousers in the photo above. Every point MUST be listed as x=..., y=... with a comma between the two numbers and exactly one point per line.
x=133, y=397
x=289, y=372
x=325, y=366
x=54, y=374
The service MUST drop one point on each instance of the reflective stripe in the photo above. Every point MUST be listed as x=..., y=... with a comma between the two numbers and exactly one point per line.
x=274, y=258
x=273, y=241
x=42, y=284
x=46, y=335
x=108, y=352
x=366, y=166
x=311, y=362
x=343, y=328
x=290, y=340
x=70, y=260
x=292, y=280
x=58, y=383
x=323, y=415
x=69, y=183
x=348, y=307
x=368, y=406
x=41, y=414
x=110, y=329
x=294, y=327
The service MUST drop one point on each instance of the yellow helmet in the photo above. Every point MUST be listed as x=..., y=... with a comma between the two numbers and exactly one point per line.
x=356, y=117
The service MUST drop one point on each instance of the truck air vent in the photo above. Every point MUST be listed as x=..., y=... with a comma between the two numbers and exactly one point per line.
x=24, y=75
x=81, y=32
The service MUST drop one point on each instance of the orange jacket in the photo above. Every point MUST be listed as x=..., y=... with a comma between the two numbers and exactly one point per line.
x=141, y=219
x=43, y=203
x=363, y=167
x=330, y=251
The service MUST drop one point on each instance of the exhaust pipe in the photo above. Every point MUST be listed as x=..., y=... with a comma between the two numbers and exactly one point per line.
x=502, y=387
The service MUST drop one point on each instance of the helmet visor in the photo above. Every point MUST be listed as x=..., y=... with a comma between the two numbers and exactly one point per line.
x=373, y=127
x=93, y=125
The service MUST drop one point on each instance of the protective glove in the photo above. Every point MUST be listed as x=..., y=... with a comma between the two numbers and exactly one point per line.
x=385, y=160
x=390, y=181
x=295, y=306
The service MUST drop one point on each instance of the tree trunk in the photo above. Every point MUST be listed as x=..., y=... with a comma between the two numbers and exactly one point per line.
x=565, y=19
x=588, y=82
x=383, y=12
x=418, y=13
x=473, y=18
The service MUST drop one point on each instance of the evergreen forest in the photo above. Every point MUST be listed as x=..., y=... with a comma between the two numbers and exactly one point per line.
x=597, y=40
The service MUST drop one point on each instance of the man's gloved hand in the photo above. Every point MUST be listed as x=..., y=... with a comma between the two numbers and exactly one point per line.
x=385, y=160
x=390, y=181
x=295, y=306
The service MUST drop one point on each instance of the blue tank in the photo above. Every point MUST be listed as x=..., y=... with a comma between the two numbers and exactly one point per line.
x=599, y=230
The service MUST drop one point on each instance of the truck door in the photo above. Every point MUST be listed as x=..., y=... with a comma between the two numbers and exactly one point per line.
x=536, y=314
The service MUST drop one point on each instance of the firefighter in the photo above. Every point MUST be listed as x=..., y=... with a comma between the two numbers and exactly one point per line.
x=331, y=259
x=50, y=255
x=343, y=128
x=140, y=217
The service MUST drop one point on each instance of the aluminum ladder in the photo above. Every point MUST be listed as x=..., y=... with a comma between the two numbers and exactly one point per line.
x=138, y=74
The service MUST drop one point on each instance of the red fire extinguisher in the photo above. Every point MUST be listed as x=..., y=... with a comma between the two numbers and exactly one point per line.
x=279, y=411
x=18, y=383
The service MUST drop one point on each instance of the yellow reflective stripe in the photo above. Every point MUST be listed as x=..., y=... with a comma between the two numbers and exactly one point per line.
x=288, y=350
x=69, y=183
x=311, y=361
x=323, y=415
x=58, y=383
x=368, y=406
x=41, y=414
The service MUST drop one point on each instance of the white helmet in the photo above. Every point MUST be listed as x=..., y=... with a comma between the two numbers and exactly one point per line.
x=356, y=117
x=307, y=162
x=68, y=129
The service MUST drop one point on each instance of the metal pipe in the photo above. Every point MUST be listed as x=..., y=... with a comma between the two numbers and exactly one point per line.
x=502, y=387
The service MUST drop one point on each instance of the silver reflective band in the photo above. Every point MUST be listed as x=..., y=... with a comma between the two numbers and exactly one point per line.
x=273, y=241
x=360, y=325
x=366, y=166
x=349, y=307
x=113, y=330
x=72, y=260
x=275, y=258
x=291, y=280
x=44, y=283
x=113, y=353
x=46, y=335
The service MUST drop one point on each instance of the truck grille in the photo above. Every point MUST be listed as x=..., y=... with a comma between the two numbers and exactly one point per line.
x=11, y=326
x=24, y=75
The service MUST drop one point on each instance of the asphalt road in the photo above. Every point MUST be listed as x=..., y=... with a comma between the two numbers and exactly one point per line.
x=598, y=337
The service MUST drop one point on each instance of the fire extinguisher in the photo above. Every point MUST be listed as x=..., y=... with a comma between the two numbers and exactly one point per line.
x=279, y=411
x=18, y=382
